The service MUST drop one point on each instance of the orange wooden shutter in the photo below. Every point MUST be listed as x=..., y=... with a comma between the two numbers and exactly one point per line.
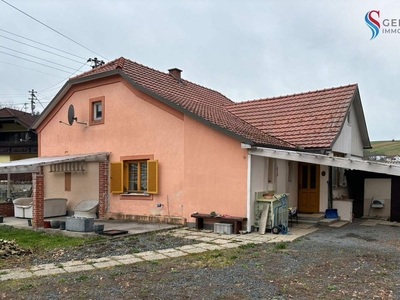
x=116, y=178
x=152, y=176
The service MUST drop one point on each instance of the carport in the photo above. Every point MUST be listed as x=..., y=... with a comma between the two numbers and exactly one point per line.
x=35, y=166
x=381, y=170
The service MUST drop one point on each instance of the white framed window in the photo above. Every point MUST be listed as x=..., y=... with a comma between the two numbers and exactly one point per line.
x=97, y=110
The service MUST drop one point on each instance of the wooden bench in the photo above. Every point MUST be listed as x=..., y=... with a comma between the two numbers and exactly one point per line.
x=237, y=221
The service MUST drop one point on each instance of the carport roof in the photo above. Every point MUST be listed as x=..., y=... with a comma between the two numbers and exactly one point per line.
x=32, y=165
x=319, y=159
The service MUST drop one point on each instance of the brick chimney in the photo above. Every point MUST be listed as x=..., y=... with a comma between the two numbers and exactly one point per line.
x=176, y=73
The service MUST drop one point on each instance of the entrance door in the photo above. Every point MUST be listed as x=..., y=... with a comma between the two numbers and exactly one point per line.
x=308, y=188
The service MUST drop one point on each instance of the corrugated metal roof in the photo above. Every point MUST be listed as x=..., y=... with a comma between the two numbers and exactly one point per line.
x=32, y=165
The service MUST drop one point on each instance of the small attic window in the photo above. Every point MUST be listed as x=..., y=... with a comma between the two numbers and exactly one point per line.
x=96, y=108
x=348, y=117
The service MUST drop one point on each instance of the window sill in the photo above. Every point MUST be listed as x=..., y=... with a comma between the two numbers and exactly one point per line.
x=135, y=196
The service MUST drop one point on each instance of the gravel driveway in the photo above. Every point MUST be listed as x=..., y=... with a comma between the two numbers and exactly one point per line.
x=352, y=262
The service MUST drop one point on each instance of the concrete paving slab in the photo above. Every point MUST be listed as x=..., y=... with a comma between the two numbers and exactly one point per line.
x=129, y=261
x=44, y=267
x=106, y=264
x=371, y=222
x=72, y=263
x=221, y=241
x=79, y=268
x=49, y=272
x=196, y=250
x=16, y=275
x=388, y=223
x=205, y=239
x=155, y=256
x=122, y=257
x=186, y=247
x=98, y=260
x=230, y=245
x=131, y=227
x=213, y=247
x=175, y=253
x=146, y=253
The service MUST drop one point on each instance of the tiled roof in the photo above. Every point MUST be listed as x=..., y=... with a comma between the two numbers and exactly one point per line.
x=24, y=118
x=207, y=104
x=309, y=120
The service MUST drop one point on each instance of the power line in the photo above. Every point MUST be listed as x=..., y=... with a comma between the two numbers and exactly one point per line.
x=37, y=57
x=39, y=48
x=64, y=79
x=41, y=44
x=33, y=62
x=51, y=28
x=29, y=69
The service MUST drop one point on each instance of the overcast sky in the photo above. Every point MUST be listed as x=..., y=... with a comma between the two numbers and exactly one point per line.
x=243, y=49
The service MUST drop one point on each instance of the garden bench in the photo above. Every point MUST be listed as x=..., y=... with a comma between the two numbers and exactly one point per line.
x=237, y=221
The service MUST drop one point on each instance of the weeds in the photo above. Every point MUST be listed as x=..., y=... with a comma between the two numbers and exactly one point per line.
x=281, y=246
x=247, y=246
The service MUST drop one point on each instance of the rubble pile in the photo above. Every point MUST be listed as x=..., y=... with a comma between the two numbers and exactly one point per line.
x=11, y=248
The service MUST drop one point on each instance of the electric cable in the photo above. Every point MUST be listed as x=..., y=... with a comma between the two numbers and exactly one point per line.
x=51, y=28
x=29, y=69
x=39, y=48
x=37, y=57
x=33, y=41
x=33, y=62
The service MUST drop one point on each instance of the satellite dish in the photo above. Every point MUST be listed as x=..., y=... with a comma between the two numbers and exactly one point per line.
x=71, y=114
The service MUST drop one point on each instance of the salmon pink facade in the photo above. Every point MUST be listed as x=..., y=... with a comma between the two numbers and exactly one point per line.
x=198, y=166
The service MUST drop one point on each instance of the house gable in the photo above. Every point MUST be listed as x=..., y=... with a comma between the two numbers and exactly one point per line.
x=311, y=120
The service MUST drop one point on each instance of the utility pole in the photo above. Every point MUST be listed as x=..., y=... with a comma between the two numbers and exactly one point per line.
x=96, y=62
x=25, y=107
x=32, y=98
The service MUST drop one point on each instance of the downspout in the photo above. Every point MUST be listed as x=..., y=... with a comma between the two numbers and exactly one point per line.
x=330, y=191
x=249, y=219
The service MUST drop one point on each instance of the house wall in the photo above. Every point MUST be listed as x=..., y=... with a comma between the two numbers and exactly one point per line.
x=380, y=189
x=134, y=125
x=284, y=179
x=80, y=181
x=349, y=140
x=200, y=169
x=215, y=172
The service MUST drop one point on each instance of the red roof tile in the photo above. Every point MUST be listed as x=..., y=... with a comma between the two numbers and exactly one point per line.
x=207, y=104
x=24, y=118
x=310, y=120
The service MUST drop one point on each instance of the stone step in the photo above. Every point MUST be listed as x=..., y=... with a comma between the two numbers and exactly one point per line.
x=339, y=224
x=311, y=217
x=310, y=222
x=328, y=222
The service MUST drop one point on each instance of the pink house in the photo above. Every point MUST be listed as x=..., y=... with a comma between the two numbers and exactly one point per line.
x=152, y=145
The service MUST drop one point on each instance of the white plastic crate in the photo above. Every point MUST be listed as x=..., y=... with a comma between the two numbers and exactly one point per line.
x=224, y=228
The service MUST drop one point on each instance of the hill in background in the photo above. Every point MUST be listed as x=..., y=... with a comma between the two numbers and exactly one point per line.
x=388, y=148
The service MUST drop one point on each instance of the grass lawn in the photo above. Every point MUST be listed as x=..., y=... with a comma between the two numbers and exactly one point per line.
x=41, y=240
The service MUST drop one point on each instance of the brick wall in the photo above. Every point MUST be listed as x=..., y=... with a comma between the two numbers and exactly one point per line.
x=7, y=209
x=38, y=199
x=103, y=188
